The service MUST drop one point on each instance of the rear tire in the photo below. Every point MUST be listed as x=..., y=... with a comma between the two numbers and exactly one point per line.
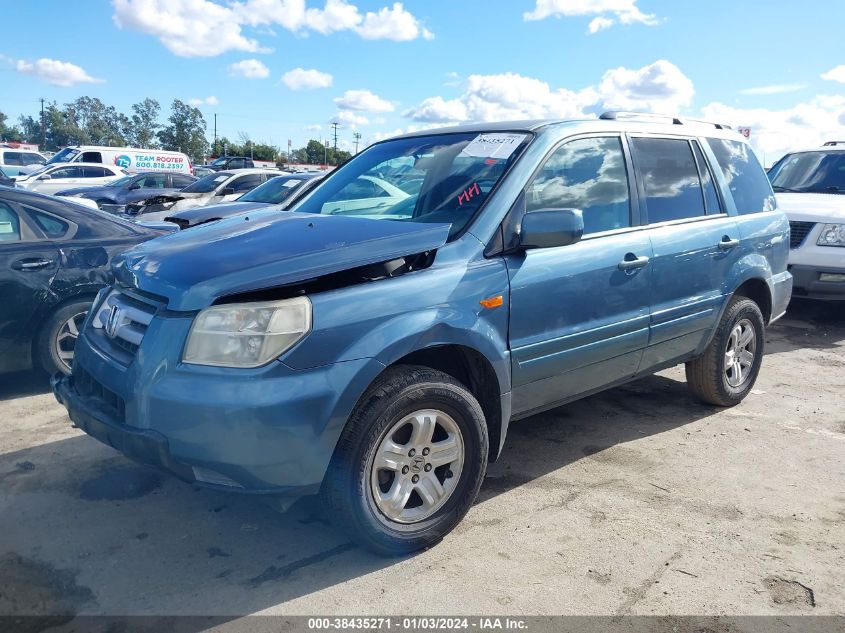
x=727, y=371
x=55, y=343
x=409, y=463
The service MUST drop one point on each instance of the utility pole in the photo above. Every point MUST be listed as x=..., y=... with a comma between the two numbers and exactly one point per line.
x=289, y=160
x=335, y=126
x=326, y=154
x=215, y=134
x=357, y=137
x=43, y=127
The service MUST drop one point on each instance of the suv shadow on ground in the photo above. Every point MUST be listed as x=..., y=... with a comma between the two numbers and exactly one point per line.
x=197, y=551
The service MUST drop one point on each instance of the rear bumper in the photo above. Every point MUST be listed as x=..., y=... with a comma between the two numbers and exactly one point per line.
x=808, y=283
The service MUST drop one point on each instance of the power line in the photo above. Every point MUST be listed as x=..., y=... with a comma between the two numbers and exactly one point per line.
x=335, y=126
x=43, y=127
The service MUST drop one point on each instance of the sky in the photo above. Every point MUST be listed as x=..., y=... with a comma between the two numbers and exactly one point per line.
x=287, y=69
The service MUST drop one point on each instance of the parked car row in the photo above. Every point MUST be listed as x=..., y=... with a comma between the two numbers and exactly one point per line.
x=378, y=338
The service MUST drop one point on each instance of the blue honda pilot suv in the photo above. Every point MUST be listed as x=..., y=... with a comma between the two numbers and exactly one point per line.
x=374, y=344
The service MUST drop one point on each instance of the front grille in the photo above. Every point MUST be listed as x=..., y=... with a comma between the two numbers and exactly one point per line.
x=798, y=232
x=90, y=389
x=120, y=323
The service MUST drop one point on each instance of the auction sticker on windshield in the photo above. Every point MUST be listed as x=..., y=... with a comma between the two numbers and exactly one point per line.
x=498, y=145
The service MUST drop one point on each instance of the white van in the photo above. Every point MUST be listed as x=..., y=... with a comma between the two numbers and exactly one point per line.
x=129, y=159
x=12, y=159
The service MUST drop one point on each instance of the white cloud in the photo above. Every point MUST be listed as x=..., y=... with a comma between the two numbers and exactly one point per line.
x=363, y=101
x=188, y=28
x=392, y=24
x=658, y=87
x=775, y=132
x=55, y=72
x=346, y=117
x=607, y=12
x=835, y=74
x=438, y=109
x=210, y=100
x=249, y=69
x=302, y=79
x=337, y=15
x=205, y=28
x=775, y=89
x=599, y=24
x=314, y=128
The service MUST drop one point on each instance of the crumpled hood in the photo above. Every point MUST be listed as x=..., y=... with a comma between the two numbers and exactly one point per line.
x=85, y=190
x=225, y=210
x=812, y=207
x=263, y=250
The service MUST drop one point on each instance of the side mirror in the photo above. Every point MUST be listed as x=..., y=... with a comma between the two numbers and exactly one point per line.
x=546, y=228
x=134, y=186
x=45, y=177
x=227, y=191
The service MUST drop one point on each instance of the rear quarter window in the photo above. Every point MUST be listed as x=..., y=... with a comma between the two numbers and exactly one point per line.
x=745, y=177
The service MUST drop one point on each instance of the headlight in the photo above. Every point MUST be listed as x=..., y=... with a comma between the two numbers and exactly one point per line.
x=247, y=334
x=832, y=235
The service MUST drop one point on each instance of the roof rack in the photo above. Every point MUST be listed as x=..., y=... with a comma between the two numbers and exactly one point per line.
x=831, y=143
x=620, y=115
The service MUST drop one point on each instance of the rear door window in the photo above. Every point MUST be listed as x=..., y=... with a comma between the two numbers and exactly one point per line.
x=52, y=226
x=746, y=179
x=669, y=178
x=246, y=183
x=711, y=198
x=12, y=158
x=587, y=174
x=95, y=172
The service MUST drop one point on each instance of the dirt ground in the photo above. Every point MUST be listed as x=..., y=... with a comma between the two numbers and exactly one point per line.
x=635, y=501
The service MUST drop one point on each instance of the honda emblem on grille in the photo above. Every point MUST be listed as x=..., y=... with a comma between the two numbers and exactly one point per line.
x=112, y=322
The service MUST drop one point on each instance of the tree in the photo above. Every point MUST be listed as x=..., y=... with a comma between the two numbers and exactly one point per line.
x=8, y=133
x=30, y=129
x=186, y=131
x=144, y=124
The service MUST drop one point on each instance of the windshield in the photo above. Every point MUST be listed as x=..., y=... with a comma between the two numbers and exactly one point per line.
x=810, y=172
x=120, y=181
x=220, y=161
x=273, y=191
x=207, y=184
x=457, y=174
x=63, y=156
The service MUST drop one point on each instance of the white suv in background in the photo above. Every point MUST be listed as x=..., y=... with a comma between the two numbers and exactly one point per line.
x=810, y=189
x=53, y=178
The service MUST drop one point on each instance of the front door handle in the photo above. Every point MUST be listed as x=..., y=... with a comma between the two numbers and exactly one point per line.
x=632, y=262
x=727, y=243
x=32, y=264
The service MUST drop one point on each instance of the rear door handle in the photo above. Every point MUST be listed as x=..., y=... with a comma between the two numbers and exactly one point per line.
x=632, y=262
x=727, y=243
x=32, y=264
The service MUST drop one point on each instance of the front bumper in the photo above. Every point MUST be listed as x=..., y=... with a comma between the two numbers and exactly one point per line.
x=808, y=283
x=269, y=430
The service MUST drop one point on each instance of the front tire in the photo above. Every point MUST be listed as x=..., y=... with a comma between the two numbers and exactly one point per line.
x=727, y=371
x=409, y=463
x=55, y=343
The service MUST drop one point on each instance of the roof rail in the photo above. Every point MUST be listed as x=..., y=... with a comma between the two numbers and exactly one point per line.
x=620, y=115
x=831, y=143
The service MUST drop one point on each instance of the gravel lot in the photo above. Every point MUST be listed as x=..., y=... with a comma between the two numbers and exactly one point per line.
x=636, y=501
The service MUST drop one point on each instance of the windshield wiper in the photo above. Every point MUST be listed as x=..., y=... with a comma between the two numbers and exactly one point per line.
x=778, y=189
